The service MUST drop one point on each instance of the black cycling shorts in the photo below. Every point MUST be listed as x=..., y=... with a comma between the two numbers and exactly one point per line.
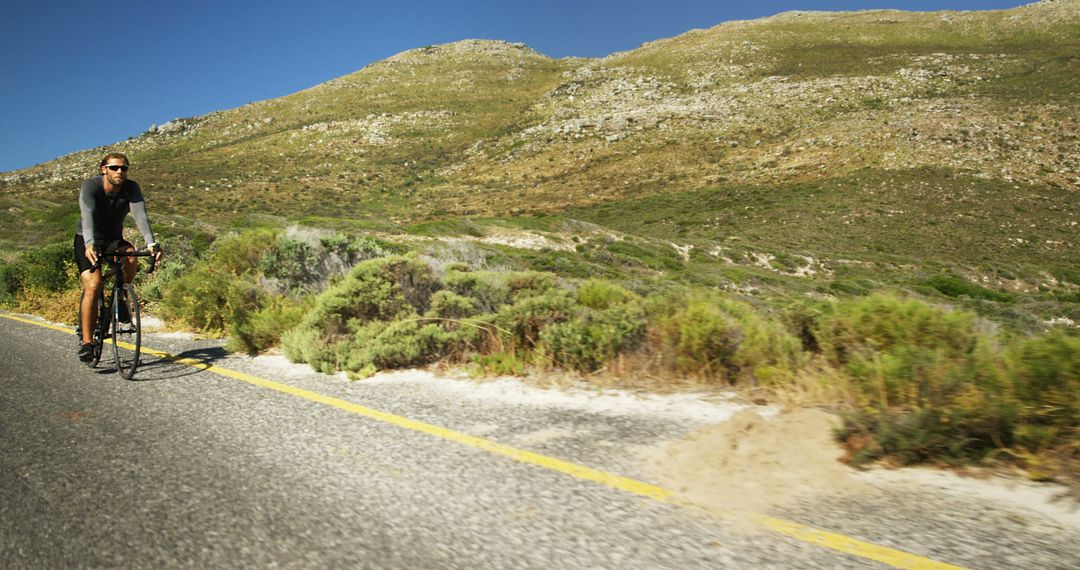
x=80, y=251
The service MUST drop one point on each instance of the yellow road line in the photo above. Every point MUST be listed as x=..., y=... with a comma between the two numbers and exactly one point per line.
x=42, y=324
x=804, y=533
x=849, y=545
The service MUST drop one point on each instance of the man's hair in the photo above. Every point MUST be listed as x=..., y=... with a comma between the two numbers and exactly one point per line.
x=112, y=155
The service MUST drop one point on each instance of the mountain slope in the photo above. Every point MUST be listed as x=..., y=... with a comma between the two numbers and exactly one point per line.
x=949, y=136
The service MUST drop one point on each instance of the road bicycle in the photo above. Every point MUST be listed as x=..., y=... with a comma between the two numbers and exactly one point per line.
x=118, y=318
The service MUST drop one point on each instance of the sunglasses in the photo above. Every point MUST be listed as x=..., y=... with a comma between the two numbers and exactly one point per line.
x=115, y=167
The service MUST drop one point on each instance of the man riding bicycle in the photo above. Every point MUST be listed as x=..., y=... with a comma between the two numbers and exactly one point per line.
x=104, y=202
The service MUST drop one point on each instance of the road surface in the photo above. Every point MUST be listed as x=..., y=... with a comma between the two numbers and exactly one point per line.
x=253, y=465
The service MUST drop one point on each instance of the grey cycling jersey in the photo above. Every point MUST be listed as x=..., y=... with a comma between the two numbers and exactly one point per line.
x=103, y=213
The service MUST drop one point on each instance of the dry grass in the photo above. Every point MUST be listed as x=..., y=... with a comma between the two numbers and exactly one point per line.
x=817, y=385
x=58, y=307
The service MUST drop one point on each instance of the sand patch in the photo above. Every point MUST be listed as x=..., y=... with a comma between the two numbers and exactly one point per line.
x=749, y=463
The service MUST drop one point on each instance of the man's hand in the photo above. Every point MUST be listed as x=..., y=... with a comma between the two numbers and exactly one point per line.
x=158, y=252
x=91, y=254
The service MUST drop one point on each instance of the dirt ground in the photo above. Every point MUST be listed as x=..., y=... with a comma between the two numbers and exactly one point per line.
x=751, y=464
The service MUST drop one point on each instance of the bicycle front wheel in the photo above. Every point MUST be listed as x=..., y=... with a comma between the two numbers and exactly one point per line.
x=126, y=330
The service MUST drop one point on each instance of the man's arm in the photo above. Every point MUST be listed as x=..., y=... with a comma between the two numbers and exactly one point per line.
x=142, y=221
x=86, y=209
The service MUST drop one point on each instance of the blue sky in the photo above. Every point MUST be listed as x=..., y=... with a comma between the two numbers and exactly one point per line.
x=80, y=74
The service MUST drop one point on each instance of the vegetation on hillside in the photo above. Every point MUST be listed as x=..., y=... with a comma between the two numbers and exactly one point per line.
x=916, y=377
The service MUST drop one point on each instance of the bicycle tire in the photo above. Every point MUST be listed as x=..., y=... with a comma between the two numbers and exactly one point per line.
x=127, y=333
x=101, y=329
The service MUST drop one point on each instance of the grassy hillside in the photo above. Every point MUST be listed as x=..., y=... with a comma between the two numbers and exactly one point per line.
x=495, y=128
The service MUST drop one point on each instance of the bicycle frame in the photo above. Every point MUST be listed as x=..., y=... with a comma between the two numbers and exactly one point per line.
x=121, y=302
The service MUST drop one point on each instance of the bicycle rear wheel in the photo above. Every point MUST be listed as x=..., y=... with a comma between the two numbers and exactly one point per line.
x=126, y=330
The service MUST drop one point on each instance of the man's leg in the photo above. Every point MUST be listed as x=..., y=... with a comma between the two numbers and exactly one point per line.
x=91, y=283
x=131, y=264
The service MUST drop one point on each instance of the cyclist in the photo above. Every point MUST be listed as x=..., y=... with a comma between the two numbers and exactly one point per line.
x=104, y=201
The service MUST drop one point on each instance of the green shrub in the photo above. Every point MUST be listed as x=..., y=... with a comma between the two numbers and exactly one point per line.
x=656, y=258
x=224, y=291
x=10, y=282
x=218, y=291
x=900, y=351
x=523, y=320
x=352, y=326
x=599, y=294
x=380, y=289
x=153, y=286
x=306, y=265
x=1066, y=274
x=354, y=250
x=500, y=363
x=179, y=260
x=718, y=338
x=872, y=103
x=301, y=343
x=703, y=339
x=446, y=304
x=488, y=288
x=934, y=406
x=1047, y=382
x=306, y=343
x=289, y=260
x=492, y=289
x=957, y=287
x=239, y=254
x=49, y=267
x=208, y=299
x=400, y=344
x=565, y=264
x=258, y=331
x=880, y=322
x=595, y=336
x=849, y=287
x=934, y=387
x=392, y=312
x=449, y=227
x=529, y=283
x=929, y=434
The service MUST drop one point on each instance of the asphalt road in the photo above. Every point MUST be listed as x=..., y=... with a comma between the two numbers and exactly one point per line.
x=189, y=468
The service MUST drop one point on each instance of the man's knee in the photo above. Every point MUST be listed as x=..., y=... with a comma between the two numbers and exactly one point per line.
x=91, y=280
x=129, y=261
